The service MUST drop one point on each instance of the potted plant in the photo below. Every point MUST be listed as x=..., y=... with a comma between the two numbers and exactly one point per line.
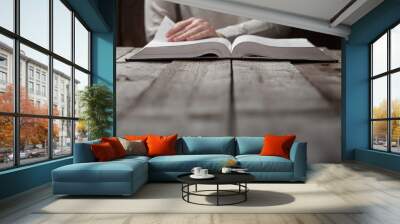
x=96, y=103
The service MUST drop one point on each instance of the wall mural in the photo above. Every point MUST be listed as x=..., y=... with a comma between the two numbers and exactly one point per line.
x=206, y=96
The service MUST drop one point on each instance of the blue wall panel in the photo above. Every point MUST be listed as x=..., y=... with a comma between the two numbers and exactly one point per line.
x=24, y=178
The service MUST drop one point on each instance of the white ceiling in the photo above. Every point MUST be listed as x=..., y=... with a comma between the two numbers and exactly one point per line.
x=333, y=17
x=320, y=9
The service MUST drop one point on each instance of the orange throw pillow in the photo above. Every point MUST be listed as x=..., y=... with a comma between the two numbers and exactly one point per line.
x=103, y=152
x=116, y=145
x=161, y=145
x=277, y=145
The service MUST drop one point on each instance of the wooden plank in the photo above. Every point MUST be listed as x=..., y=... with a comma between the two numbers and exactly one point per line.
x=133, y=80
x=273, y=97
x=189, y=98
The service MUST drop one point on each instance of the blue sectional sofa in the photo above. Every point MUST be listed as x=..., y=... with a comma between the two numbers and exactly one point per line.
x=125, y=176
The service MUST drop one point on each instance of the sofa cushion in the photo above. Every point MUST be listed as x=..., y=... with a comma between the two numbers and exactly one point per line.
x=185, y=163
x=112, y=171
x=208, y=145
x=249, y=145
x=257, y=163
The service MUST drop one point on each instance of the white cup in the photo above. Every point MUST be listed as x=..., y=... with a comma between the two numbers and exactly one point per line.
x=196, y=171
x=203, y=172
x=226, y=170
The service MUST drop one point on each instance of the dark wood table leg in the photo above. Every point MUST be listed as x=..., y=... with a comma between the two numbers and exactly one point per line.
x=217, y=194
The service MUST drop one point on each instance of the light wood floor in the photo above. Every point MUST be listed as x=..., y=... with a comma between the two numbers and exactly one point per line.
x=353, y=182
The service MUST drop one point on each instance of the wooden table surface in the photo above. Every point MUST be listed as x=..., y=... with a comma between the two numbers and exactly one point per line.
x=203, y=98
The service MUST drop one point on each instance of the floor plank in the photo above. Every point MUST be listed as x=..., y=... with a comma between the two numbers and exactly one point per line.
x=375, y=188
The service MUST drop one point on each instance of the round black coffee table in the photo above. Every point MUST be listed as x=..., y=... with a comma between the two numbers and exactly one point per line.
x=238, y=179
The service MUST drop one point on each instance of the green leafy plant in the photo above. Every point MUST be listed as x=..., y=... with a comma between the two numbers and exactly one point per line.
x=96, y=102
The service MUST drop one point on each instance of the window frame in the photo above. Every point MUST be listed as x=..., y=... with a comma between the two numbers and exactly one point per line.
x=16, y=114
x=388, y=74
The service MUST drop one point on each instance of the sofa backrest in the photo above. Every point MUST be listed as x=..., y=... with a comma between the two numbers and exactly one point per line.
x=249, y=145
x=83, y=152
x=206, y=145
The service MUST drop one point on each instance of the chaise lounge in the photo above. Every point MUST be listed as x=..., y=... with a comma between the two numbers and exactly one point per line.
x=125, y=176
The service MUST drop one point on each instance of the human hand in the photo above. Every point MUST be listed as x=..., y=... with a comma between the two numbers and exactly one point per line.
x=191, y=29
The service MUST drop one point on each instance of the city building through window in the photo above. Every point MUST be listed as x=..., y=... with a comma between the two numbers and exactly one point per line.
x=40, y=124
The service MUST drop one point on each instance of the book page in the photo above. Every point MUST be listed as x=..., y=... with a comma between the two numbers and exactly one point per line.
x=160, y=39
x=292, y=42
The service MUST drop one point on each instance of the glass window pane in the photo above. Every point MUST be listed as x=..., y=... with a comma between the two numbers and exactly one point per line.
x=6, y=142
x=379, y=97
x=62, y=30
x=81, y=131
x=34, y=97
x=379, y=55
x=62, y=89
x=34, y=21
x=81, y=81
x=33, y=140
x=7, y=14
x=379, y=135
x=81, y=45
x=395, y=95
x=395, y=47
x=6, y=74
x=395, y=136
x=62, y=138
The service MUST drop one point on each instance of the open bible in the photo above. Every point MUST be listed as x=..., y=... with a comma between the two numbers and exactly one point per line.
x=245, y=46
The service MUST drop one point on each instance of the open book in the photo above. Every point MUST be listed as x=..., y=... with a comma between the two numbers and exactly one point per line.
x=244, y=46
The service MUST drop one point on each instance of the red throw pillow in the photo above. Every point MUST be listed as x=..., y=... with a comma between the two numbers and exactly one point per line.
x=116, y=145
x=103, y=152
x=277, y=145
x=161, y=145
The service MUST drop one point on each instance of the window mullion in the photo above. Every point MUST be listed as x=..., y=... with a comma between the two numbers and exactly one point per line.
x=389, y=106
x=73, y=82
x=50, y=81
x=16, y=70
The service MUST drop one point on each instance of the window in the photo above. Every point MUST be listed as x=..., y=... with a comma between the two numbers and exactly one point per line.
x=7, y=14
x=30, y=88
x=35, y=21
x=3, y=71
x=6, y=73
x=44, y=91
x=3, y=78
x=62, y=29
x=81, y=45
x=385, y=92
x=62, y=74
x=41, y=124
x=38, y=89
x=30, y=72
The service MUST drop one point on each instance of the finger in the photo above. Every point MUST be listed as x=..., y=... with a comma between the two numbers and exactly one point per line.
x=187, y=28
x=201, y=35
x=179, y=26
x=191, y=32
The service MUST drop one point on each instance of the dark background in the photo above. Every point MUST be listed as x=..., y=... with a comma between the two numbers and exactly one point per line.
x=131, y=31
